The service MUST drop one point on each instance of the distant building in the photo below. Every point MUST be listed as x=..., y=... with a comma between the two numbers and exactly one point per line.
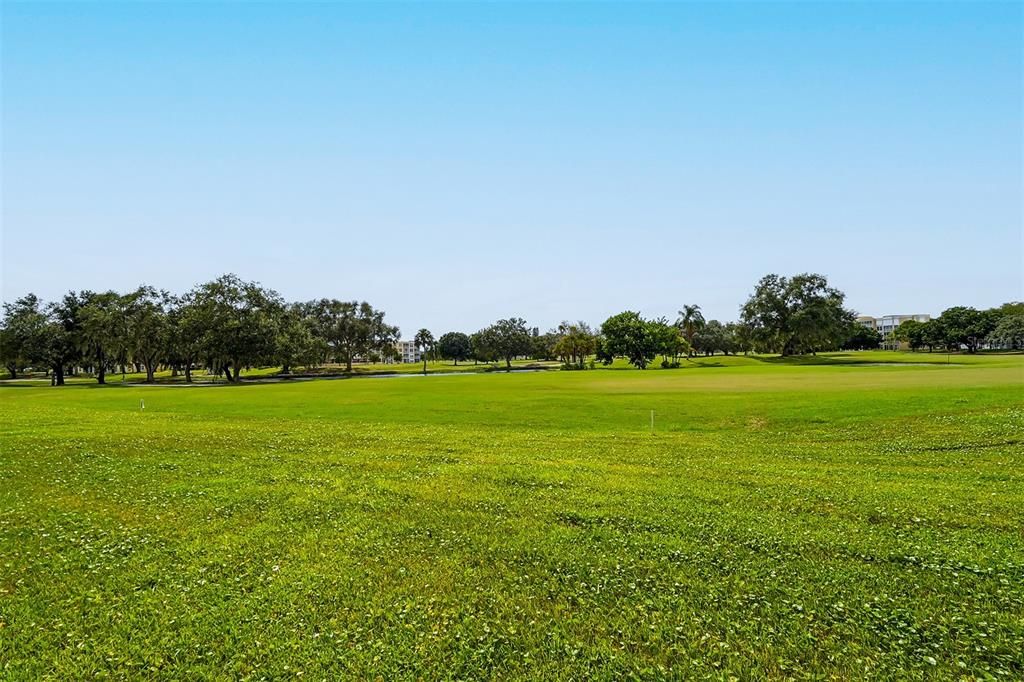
x=407, y=351
x=887, y=325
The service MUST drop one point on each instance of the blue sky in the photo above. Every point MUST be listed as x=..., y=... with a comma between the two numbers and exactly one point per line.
x=457, y=163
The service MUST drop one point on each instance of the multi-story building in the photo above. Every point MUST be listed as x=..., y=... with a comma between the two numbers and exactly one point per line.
x=887, y=325
x=407, y=351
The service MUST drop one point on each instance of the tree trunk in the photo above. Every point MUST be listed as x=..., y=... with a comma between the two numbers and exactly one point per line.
x=237, y=369
x=348, y=363
x=508, y=364
x=227, y=372
x=13, y=371
x=150, y=371
x=58, y=374
x=188, y=372
x=101, y=374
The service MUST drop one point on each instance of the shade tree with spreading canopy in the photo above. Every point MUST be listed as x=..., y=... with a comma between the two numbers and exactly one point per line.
x=454, y=346
x=796, y=315
x=352, y=329
x=506, y=339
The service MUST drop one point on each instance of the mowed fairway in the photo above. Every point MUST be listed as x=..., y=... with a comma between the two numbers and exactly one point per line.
x=783, y=520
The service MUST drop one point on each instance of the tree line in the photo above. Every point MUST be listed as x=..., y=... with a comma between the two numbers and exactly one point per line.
x=969, y=328
x=224, y=325
x=228, y=324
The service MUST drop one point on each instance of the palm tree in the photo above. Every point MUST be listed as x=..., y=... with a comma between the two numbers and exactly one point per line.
x=425, y=341
x=690, y=321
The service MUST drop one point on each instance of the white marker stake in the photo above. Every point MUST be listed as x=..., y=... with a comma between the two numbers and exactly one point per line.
x=652, y=422
x=142, y=404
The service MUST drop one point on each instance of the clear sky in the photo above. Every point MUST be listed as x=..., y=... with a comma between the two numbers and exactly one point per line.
x=457, y=163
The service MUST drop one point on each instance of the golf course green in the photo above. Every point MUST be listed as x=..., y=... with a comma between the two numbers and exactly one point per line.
x=845, y=516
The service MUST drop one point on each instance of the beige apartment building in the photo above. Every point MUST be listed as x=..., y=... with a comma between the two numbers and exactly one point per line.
x=407, y=351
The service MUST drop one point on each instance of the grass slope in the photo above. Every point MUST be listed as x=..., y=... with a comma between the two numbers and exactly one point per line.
x=840, y=519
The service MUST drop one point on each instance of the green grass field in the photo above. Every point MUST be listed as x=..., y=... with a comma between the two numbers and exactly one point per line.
x=836, y=517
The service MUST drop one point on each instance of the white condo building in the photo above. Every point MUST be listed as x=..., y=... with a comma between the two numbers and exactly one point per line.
x=887, y=325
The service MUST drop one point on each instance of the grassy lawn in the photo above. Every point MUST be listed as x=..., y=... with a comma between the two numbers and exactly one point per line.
x=837, y=517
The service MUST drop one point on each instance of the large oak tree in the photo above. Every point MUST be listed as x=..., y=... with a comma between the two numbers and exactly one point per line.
x=796, y=315
x=240, y=322
x=352, y=329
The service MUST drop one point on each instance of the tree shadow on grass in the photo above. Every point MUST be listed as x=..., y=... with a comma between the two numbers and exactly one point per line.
x=842, y=359
x=703, y=364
